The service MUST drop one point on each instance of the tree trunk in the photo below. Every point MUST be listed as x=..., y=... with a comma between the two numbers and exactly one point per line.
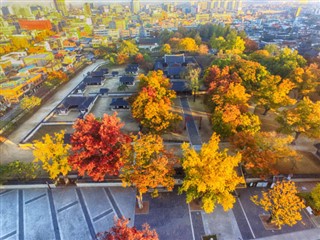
x=139, y=200
x=269, y=219
x=194, y=96
x=295, y=138
x=266, y=110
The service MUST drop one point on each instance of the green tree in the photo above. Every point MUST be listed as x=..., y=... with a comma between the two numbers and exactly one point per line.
x=315, y=195
x=18, y=170
x=192, y=75
x=210, y=175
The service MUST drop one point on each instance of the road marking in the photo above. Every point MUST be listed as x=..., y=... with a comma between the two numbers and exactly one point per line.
x=67, y=206
x=191, y=222
x=245, y=215
x=21, y=215
x=36, y=198
x=8, y=235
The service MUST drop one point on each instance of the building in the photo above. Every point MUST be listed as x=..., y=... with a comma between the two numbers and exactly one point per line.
x=35, y=24
x=119, y=103
x=61, y=7
x=16, y=58
x=87, y=9
x=14, y=89
x=127, y=80
x=135, y=6
x=39, y=59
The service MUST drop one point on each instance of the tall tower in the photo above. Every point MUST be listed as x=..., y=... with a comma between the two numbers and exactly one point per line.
x=135, y=6
x=61, y=6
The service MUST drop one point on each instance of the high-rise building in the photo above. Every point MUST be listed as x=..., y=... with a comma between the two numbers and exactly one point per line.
x=135, y=6
x=61, y=7
x=87, y=9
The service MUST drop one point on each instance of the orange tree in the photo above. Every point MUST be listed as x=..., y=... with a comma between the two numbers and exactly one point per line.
x=263, y=150
x=97, y=146
x=282, y=203
x=148, y=165
x=53, y=153
x=121, y=231
x=210, y=175
x=152, y=105
x=230, y=114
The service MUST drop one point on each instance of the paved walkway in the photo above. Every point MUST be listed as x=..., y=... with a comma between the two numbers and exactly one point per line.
x=193, y=132
x=312, y=234
x=9, y=150
x=62, y=213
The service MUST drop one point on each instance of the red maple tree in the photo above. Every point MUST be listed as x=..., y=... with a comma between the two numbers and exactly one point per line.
x=97, y=146
x=122, y=232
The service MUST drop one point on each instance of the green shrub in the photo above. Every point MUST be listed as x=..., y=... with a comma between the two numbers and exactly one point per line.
x=18, y=170
x=315, y=195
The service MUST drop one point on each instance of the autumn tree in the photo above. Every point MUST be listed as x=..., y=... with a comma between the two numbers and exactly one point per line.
x=210, y=175
x=121, y=231
x=128, y=47
x=188, y=45
x=230, y=110
x=122, y=58
x=250, y=45
x=53, y=153
x=215, y=77
x=166, y=49
x=19, y=42
x=192, y=76
x=56, y=77
x=282, y=203
x=139, y=58
x=262, y=151
x=28, y=103
x=203, y=49
x=152, y=105
x=274, y=93
x=304, y=118
x=306, y=80
x=97, y=146
x=251, y=73
x=148, y=166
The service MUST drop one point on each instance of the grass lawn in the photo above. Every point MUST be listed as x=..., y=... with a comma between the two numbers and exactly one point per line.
x=308, y=164
x=268, y=122
x=50, y=129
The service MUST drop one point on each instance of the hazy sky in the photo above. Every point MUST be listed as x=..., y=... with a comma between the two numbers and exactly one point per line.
x=76, y=2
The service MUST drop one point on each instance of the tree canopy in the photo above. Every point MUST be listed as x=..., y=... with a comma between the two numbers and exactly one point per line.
x=210, y=175
x=282, y=203
x=53, y=153
x=97, y=146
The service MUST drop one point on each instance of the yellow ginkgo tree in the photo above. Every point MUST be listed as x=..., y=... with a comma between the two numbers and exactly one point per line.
x=53, y=154
x=210, y=175
x=149, y=166
x=282, y=203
